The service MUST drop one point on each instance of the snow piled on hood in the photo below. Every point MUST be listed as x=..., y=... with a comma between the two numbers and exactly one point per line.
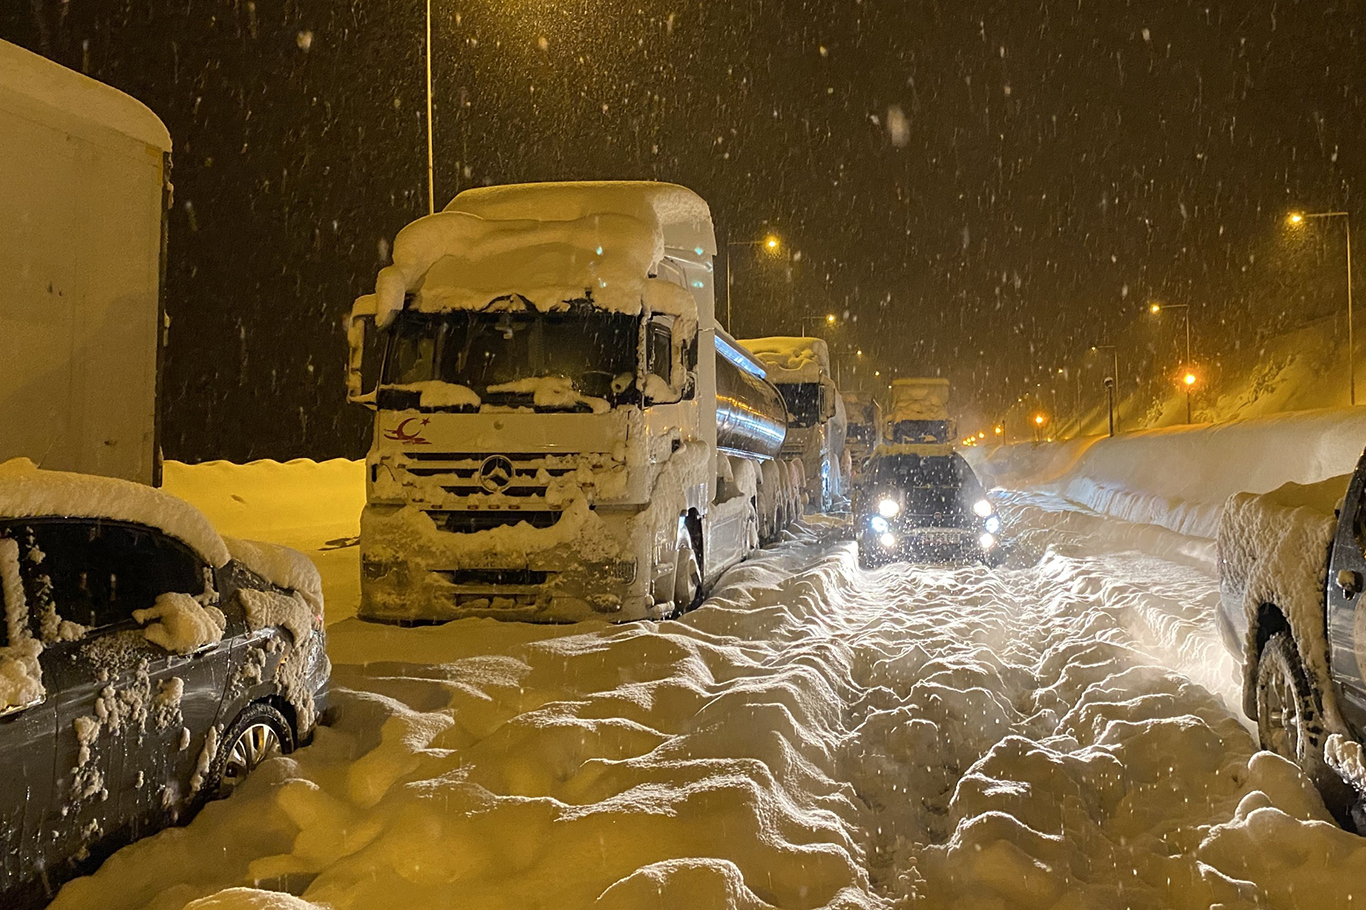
x=283, y=567
x=790, y=359
x=27, y=491
x=813, y=737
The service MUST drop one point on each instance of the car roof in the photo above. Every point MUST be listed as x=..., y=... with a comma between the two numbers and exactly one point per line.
x=27, y=491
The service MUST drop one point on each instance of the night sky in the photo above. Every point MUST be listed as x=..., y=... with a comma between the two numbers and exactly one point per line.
x=979, y=189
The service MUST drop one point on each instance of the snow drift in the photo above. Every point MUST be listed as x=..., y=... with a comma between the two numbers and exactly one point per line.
x=1179, y=478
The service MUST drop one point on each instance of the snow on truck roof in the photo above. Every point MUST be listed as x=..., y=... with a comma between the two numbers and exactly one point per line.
x=28, y=75
x=27, y=491
x=547, y=243
x=790, y=358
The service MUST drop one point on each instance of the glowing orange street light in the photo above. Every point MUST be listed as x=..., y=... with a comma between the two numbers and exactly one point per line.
x=830, y=318
x=1189, y=379
x=1039, y=421
x=771, y=243
x=1296, y=218
x=1000, y=429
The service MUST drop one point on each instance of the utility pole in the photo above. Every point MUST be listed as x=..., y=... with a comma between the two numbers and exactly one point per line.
x=431, y=155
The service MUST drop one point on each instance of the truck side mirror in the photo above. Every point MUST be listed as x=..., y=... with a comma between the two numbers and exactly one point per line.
x=827, y=400
x=362, y=319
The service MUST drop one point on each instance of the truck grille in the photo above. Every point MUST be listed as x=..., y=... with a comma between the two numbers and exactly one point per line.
x=463, y=522
x=458, y=473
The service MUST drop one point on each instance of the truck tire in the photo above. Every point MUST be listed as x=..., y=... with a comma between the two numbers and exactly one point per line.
x=1290, y=721
x=687, y=576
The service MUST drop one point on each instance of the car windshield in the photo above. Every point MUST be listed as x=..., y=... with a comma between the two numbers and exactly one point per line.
x=803, y=401
x=597, y=352
x=930, y=482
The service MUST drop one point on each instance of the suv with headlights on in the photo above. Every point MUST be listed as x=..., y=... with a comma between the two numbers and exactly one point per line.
x=924, y=502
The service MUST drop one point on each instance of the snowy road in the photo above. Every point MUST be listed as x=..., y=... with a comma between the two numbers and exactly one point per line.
x=1056, y=733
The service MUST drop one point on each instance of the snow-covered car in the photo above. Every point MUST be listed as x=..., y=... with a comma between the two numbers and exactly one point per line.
x=146, y=665
x=923, y=502
x=1292, y=566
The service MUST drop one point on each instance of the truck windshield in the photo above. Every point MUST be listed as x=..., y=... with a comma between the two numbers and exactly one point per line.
x=596, y=351
x=803, y=401
x=931, y=482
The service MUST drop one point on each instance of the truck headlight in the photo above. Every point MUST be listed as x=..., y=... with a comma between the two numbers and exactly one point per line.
x=987, y=541
x=982, y=507
x=887, y=540
x=888, y=508
x=993, y=524
x=879, y=525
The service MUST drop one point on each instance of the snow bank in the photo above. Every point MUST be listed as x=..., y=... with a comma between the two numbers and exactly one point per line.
x=791, y=359
x=1179, y=477
x=548, y=245
x=313, y=507
x=813, y=737
x=29, y=492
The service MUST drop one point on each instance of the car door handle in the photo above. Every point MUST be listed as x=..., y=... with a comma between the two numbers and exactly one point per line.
x=11, y=710
x=1350, y=583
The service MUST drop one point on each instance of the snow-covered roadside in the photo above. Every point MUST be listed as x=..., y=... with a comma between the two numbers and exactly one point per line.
x=313, y=507
x=813, y=736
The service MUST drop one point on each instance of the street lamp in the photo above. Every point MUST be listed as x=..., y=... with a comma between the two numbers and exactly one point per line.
x=431, y=156
x=1156, y=308
x=770, y=243
x=1297, y=219
x=1039, y=421
x=1189, y=379
x=1112, y=380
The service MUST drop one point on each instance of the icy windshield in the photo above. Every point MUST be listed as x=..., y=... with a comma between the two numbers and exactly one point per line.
x=594, y=351
x=803, y=401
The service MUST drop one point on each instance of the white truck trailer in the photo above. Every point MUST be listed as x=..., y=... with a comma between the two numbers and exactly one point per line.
x=83, y=197
x=919, y=414
x=800, y=368
x=561, y=429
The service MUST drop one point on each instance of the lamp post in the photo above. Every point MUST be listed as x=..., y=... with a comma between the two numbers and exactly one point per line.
x=1156, y=308
x=1112, y=380
x=770, y=243
x=829, y=319
x=1297, y=219
x=431, y=156
x=1189, y=379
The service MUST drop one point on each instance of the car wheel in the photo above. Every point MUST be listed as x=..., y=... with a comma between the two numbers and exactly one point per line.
x=259, y=733
x=1289, y=721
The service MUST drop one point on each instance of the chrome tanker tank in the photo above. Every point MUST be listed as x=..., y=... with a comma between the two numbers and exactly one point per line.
x=751, y=418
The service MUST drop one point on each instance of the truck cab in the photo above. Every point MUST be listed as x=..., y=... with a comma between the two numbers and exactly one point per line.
x=561, y=430
x=800, y=368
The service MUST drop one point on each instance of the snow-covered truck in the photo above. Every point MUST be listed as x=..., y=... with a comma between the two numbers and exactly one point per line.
x=919, y=414
x=561, y=429
x=863, y=430
x=1292, y=569
x=83, y=197
x=800, y=368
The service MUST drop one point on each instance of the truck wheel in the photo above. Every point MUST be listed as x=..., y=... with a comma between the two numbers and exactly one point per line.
x=687, y=575
x=1289, y=721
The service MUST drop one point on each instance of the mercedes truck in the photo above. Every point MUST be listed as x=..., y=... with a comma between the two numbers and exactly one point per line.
x=561, y=429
